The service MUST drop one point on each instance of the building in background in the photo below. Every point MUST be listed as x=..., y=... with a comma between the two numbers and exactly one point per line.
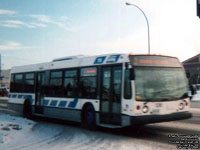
x=192, y=68
x=5, y=82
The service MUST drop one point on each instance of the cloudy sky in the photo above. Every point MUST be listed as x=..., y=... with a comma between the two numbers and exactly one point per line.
x=41, y=30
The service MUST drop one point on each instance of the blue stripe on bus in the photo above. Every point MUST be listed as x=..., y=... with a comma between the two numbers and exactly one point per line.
x=62, y=103
x=53, y=103
x=14, y=96
x=113, y=58
x=29, y=97
x=46, y=102
x=99, y=60
x=19, y=96
x=73, y=104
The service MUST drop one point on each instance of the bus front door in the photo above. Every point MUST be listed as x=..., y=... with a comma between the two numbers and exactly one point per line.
x=40, y=81
x=110, y=97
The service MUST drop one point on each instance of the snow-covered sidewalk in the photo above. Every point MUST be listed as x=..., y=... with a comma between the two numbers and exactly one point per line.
x=13, y=127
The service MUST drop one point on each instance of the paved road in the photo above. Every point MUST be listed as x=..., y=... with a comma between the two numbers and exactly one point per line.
x=195, y=104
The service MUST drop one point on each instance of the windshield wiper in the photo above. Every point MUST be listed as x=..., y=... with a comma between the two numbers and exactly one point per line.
x=164, y=92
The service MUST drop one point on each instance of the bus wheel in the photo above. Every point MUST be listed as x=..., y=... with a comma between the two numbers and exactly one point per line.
x=27, y=111
x=89, y=119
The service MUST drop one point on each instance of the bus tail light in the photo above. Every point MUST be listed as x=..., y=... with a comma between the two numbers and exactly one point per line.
x=145, y=109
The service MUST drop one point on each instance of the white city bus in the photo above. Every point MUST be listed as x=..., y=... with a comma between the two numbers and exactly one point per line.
x=114, y=90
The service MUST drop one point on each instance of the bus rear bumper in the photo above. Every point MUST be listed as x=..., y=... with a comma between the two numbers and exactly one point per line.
x=138, y=120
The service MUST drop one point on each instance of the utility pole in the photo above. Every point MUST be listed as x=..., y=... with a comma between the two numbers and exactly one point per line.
x=198, y=8
x=129, y=4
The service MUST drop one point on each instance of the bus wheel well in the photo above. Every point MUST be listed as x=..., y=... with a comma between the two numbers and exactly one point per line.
x=27, y=102
x=88, y=118
x=27, y=110
x=86, y=105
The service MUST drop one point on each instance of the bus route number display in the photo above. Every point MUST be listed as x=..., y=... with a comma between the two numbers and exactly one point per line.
x=155, y=61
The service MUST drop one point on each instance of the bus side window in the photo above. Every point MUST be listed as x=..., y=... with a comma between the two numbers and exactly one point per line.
x=127, y=85
x=18, y=84
x=70, y=83
x=12, y=86
x=55, y=87
x=88, y=83
x=29, y=79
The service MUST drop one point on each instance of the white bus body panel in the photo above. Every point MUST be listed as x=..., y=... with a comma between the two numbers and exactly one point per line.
x=81, y=62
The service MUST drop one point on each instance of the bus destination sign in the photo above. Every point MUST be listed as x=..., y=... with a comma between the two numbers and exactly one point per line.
x=146, y=60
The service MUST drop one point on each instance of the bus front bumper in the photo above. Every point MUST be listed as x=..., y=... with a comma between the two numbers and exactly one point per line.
x=138, y=120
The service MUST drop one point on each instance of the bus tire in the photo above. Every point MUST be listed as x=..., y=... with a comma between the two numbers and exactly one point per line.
x=89, y=118
x=27, y=110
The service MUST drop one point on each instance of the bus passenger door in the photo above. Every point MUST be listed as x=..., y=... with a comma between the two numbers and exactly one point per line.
x=39, y=97
x=110, y=105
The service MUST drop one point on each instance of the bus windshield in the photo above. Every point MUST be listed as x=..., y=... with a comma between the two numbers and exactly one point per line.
x=160, y=84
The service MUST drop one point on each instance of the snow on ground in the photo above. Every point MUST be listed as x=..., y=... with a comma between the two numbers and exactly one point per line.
x=12, y=127
x=18, y=133
x=196, y=97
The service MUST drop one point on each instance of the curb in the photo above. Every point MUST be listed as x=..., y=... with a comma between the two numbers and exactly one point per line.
x=4, y=98
x=3, y=106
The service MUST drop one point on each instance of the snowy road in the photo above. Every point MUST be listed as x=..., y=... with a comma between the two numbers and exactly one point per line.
x=43, y=134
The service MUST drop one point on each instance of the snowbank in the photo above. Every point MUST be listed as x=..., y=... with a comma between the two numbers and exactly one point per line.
x=12, y=127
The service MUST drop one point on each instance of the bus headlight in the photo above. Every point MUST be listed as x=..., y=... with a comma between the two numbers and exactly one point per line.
x=137, y=107
x=145, y=109
x=181, y=106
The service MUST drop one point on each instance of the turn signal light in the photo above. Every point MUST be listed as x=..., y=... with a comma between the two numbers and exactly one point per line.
x=138, y=107
x=186, y=103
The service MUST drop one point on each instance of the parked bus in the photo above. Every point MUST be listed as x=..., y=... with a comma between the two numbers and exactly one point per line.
x=114, y=90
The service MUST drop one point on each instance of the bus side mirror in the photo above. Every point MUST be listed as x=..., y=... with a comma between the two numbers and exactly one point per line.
x=132, y=74
x=131, y=71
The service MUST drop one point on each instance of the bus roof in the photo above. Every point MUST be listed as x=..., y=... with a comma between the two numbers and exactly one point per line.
x=73, y=61
x=76, y=61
